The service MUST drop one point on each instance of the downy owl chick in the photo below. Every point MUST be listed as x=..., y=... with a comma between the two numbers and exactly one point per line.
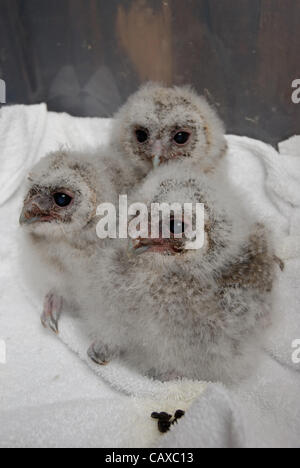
x=174, y=312
x=59, y=220
x=159, y=124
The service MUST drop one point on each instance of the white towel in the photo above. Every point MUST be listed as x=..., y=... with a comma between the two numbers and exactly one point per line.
x=48, y=397
x=20, y=140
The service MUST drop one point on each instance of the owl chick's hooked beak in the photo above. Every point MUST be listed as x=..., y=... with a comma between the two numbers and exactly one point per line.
x=157, y=152
x=161, y=152
x=160, y=246
x=173, y=245
x=43, y=207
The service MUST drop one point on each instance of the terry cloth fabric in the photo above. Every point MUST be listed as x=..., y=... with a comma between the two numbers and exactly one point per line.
x=49, y=397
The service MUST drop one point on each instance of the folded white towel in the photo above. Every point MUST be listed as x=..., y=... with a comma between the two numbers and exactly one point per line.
x=48, y=397
x=22, y=129
x=30, y=132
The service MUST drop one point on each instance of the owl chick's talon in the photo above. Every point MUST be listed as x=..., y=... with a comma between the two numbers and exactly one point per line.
x=98, y=354
x=50, y=323
x=279, y=262
x=52, y=310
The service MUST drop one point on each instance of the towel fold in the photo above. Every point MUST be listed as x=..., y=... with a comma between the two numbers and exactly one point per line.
x=22, y=129
x=49, y=397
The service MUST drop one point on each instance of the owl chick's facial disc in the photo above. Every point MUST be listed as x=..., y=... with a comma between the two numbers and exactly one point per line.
x=58, y=199
x=224, y=225
x=159, y=124
x=46, y=205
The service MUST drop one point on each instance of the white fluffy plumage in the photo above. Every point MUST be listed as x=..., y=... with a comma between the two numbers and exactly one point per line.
x=168, y=312
x=187, y=313
x=159, y=124
x=60, y=242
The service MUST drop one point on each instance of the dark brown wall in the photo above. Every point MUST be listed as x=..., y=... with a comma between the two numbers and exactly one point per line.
x=86, y=56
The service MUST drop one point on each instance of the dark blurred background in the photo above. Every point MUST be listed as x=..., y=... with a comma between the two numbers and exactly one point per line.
x=86, y=56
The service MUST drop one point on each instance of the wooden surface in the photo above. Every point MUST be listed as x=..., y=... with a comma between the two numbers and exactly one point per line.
x=86, y=56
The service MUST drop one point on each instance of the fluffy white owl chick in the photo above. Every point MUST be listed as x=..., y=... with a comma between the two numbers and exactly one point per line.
x=58, y=218
x=158, y=124
x=174, y=312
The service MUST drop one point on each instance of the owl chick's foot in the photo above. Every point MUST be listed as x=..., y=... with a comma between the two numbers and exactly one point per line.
x=52, y=310
x=100, y=354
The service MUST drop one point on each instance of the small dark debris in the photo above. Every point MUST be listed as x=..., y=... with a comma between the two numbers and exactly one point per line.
x=163, y=426
x=165, y=420
x=179, y=413
x=162, y=416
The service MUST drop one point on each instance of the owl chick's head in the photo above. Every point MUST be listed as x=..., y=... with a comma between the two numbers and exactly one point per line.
x=159, y=124
x=224, y=229
x=61, y=197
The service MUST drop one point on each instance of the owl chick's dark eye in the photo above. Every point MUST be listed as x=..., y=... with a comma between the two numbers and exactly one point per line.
x=181, y=138
x=177, y=226
x=62, y=199
x=141, y=135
